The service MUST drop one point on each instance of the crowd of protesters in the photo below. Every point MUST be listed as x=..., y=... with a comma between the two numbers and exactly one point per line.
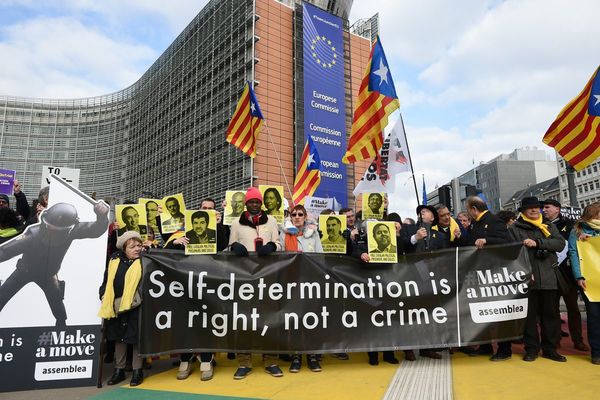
x=539, y=226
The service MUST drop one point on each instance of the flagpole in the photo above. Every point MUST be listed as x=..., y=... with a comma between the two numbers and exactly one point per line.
x=278, y=159
x=252, y=82
x=412, y=171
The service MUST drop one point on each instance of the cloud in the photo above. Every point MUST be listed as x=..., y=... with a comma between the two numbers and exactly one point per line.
x=419, y=32
x=63, y=58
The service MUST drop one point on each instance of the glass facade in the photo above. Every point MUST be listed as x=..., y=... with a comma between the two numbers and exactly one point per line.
x=162, y=135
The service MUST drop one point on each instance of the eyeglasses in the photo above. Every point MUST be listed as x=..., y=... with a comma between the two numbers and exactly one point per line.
x=297, y=214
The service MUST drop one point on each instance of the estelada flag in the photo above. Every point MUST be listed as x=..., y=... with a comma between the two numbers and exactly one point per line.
x=308, y=177
x=246, y=123
x=575, y=134
x=377, y=99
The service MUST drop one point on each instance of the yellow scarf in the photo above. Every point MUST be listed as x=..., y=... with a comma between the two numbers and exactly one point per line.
x=175, y=235
x=132, y=279
x=481, y=215
x=538, y=224
x=594, y=224
x=452, y=228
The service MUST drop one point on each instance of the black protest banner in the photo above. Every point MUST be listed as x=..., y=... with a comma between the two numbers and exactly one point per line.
x=306, y=302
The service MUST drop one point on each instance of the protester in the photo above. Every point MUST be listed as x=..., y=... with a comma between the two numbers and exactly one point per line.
x=464, y=220
x=350, y=217
x=409, y=221
x=448, y=226
x=121, y=298
x=487, y=229
x=508, y=217
x=22, y=204
x=588, y=226
x=304, y=239
x=361, y=252
x=255, y=231
x=551, y=210
x=9, y=225
x=206, y=359
x=542, y=240
x=426, y=239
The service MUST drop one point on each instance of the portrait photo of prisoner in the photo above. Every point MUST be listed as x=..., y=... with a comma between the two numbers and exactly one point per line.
x=131, y=219
x=174, y=209
x=272, y=202
x=383, y=238
x=152, y=214
x=200, y=233
x=375, y=202
x=237, y=205
x=334, y=231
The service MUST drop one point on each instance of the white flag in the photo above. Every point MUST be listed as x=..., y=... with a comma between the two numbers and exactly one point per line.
x=398, y=159
x=392, y=159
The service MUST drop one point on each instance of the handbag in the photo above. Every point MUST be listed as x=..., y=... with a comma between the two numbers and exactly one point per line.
x=136, y=302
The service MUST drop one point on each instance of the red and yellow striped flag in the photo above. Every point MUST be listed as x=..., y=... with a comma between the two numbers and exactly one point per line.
x=575, y=134
x=308, y=177
x=246, y=123
x=377, y=99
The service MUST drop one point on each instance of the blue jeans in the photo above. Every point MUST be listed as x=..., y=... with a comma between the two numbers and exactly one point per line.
x=593, y=325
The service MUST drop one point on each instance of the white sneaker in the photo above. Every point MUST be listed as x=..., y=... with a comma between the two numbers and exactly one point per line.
x=207, y=371
x=185, y=369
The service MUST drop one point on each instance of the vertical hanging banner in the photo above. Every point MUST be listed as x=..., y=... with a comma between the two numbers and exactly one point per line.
x=324, y=106
x=49, y=279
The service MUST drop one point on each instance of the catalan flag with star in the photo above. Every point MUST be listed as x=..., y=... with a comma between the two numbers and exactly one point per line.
x=575, y=134
x=377, y=99
x=246, y=123
x=309, y=173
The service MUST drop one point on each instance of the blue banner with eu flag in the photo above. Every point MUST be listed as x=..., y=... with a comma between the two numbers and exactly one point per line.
x=324, y=107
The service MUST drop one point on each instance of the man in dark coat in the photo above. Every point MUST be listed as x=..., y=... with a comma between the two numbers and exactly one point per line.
x=551, y=210
x=487, y=229
x=542, y=240
x=422, y=237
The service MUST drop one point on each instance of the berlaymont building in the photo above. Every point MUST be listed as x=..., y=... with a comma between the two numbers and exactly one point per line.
x=165, y=133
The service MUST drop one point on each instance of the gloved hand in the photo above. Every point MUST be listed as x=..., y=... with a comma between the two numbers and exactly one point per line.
x=266, y=249
x=239, y=249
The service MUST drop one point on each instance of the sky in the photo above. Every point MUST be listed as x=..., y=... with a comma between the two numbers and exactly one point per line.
x=475, y=78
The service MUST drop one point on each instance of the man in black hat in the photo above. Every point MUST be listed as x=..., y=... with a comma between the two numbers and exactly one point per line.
x=542, y=240
x=426, y=239
x=487, y=229
x=551, y=210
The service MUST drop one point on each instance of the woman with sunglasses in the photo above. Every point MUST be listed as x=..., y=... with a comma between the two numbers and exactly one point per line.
x=304, y=238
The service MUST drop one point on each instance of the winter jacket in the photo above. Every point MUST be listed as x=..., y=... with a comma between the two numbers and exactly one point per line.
x=489, y=227
x=245, y=232
x=574, y=253
x=542, y=257
x=310, y=244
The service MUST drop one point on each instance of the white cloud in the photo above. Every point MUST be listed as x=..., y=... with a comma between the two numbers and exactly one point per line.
x=420, y=31
x=62, y=58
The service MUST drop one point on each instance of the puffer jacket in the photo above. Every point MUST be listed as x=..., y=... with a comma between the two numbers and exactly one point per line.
x=574, y=253
x=244, y=232
x=542, y=262
x=307, y=242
